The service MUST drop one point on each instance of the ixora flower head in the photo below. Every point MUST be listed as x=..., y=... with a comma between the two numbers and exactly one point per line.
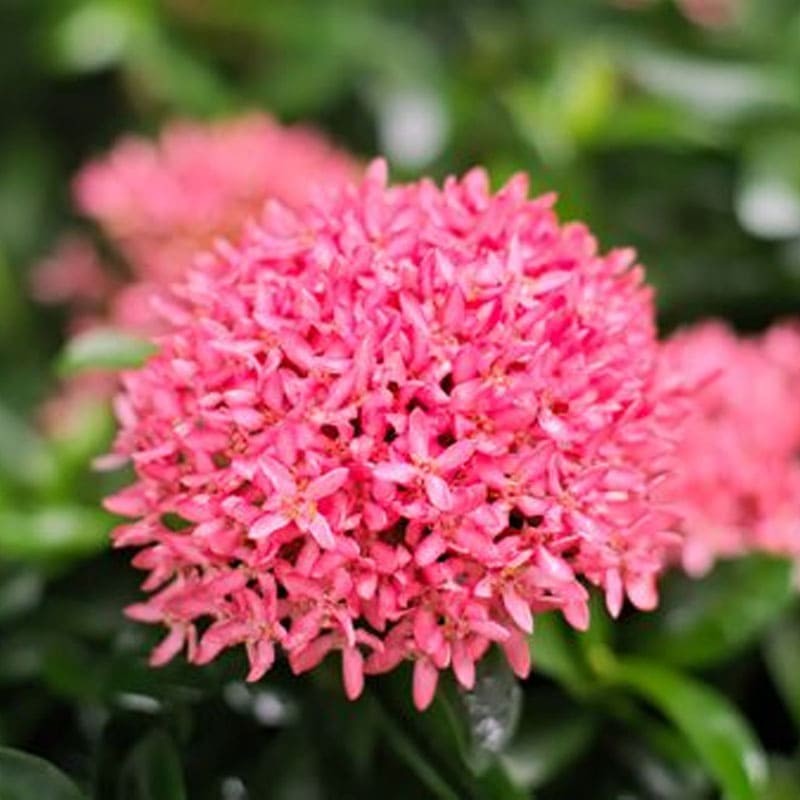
x=739, y=479
x=397, y=424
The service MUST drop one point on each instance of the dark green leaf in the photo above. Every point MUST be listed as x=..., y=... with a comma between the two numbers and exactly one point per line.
x=492, y=709
x=702, y=622
x=556, y=652
x=103, y=348
x=421, y=765
x=26, y=777
x=717, y=731
x=782, y=654
x=554, y=733
x=152, y=771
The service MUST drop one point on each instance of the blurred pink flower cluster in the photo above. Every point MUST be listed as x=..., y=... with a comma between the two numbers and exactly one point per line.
x=738, y=484
x=159, y=203
x=398, y=424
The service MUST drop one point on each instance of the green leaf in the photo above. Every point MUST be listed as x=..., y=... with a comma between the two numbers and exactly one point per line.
x=24, y=456
x=554, y=734
x=702, y=622
x=725, y=90
x=93, y=35
x=152, y=771
x=425, y=769
x=103, y=348
x=453, y=747
x=53, y=532
x=782, y=654
x=716, y=729
x=26, y=777
x=491, y=709
x=20, y=591
x=784, y=780
x=556, y=652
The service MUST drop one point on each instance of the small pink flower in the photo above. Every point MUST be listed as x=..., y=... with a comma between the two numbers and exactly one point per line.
x=290, y=505
x=405, y=421
x=422, y=467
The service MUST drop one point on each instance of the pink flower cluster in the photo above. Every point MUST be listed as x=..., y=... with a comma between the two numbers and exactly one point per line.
x=162, y=202
x=398, y=424
x=738, y=483
x=159, y=204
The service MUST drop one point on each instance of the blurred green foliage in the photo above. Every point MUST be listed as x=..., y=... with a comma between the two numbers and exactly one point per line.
x=680, y=140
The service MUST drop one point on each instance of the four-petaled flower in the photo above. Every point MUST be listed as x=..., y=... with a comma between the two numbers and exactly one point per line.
x=421, y=467
x=292, y=504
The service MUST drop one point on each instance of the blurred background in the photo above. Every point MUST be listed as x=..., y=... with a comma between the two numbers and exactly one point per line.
x=670, y=126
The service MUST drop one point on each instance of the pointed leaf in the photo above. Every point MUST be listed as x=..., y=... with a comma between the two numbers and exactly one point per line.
x=782, y=654
x=715, y=728
x=152, y=771
x=553, y=734
x=53, y=532
x=24, y=777
x=103, y=348
x=493, y=706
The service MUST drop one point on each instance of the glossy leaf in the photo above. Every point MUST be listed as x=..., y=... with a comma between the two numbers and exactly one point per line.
x=782, y=654
x=554, y=733
x=492, y=708
x=417, y=760
x=53, y=532
x=26, y=777
x=703, y=621
x=715, y=728
x=556, y=652
x=152, y=771
x=104, y=349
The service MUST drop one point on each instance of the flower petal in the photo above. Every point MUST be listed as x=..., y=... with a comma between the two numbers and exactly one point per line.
x=418, y=433
x=327, y=484
x=429, y=549
x=279, y=476
x=426, y=676
x=395, y=472
x=463, y=666
x=518, y=609
x=266, y=525
x=169, y=647
x=438, y=492
x=352, y=672
x=321, y=531
x=518, y=654
x=261, y=655
x=455, y=455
